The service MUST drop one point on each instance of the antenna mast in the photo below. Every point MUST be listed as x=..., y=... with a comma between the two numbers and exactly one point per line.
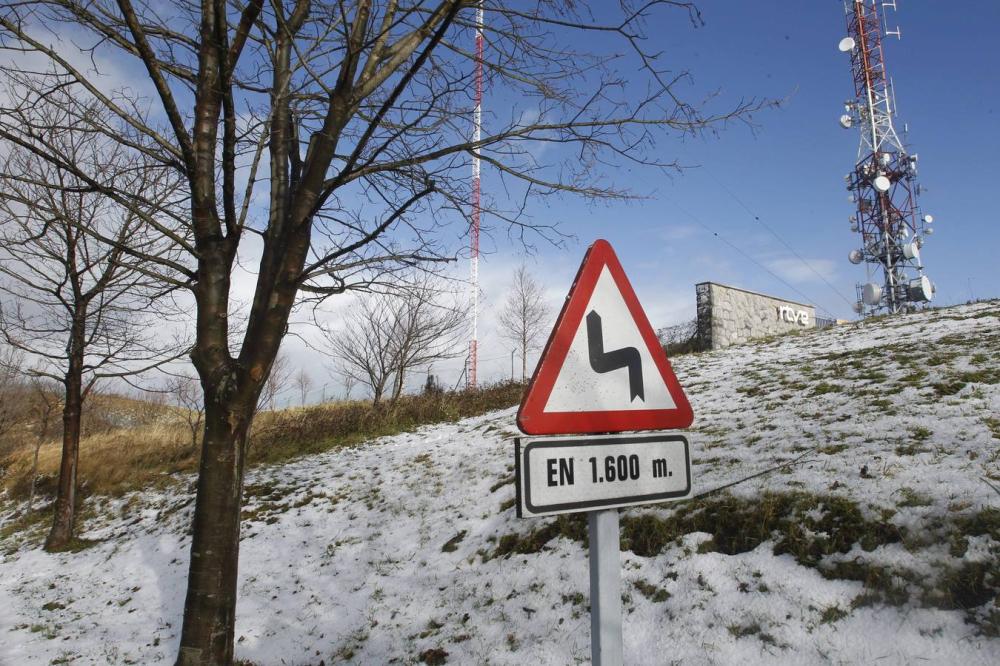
x=883, y=184
x=477, y=118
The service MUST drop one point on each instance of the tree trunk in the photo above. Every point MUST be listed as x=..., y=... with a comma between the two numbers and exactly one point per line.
x=34, y=476
x=210, y=608
x=64, y=516
x=524, y=355
x=397, y=390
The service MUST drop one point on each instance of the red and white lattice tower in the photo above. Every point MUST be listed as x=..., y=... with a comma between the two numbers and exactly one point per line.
x=883, y=184
x=477, y=119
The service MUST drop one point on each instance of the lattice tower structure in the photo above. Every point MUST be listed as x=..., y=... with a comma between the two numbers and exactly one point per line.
x=477, y=128
x=883, y=184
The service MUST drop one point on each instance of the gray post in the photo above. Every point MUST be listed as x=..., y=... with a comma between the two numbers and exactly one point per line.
x=605, y=588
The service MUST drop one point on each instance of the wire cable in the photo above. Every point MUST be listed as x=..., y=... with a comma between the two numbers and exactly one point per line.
x=749, y=258
x=780, y=239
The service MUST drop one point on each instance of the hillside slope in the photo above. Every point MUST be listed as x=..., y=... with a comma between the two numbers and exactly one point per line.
x=880, y=542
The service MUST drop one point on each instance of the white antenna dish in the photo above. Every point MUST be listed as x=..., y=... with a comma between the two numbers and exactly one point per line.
x=928, y=219
x=911, y=251
x=929, y=230
x=904, y=233
x=920, y=289
x=846, y=45
x=882, y=184
x=856, y=256
x=871, y=293
x=845, y=121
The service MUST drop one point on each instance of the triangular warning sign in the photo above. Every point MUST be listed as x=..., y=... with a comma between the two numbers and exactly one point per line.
x=602, y=370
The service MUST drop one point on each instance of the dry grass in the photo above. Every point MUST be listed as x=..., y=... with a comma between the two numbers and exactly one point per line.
x=110, y=462
x=115, y=460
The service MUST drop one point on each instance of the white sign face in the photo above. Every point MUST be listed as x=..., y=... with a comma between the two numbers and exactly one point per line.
x=569, y=474
x=607, y=391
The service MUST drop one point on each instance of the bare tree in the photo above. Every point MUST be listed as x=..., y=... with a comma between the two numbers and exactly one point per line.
x=680, y=338
x=363, y=347
x=277, y=381
x=11, y=389
x=303, y=382
x=426, y=326
x=387, y=336
x=187, y=394
x=524, y=315
x=363, y=109
x=349, y=382
x=73, y=302
x=44, y=403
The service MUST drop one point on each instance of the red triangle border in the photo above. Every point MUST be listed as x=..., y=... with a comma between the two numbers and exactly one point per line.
x=531, y=417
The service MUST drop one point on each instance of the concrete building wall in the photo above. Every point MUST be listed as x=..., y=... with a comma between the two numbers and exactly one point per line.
x=729, y=316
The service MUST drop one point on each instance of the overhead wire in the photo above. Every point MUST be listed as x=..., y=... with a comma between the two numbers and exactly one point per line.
x=781, y=240
x=750, y=258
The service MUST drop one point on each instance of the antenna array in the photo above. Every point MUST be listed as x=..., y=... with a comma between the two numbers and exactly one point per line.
x=883, y=184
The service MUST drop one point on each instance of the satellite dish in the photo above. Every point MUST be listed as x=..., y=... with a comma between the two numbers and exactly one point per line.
x=928, y=230
x=928, y=219
x=871, y=294
x=846, y=44
x=854, y=227
x=856, y=256
x=885, y=158
x=911, y=251
x=882, y=184
x=845, y=121
x=904, y=233
x=920, y=289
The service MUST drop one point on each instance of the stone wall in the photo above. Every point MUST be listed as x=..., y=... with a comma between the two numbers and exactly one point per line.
x=729, y=316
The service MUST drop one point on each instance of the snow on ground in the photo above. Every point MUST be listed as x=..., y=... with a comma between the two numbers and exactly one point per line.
x=407, y=548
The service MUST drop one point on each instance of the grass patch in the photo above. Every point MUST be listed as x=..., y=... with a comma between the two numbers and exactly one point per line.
x=949, y=387
x=571, y=526
x=434, y=656
x=911, y=497
x=652, y=592
x=833, y=614
x=807, y=526
x=451, y=545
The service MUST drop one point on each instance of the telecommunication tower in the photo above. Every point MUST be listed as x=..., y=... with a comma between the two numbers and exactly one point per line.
x=883, y=184
x=477, y=127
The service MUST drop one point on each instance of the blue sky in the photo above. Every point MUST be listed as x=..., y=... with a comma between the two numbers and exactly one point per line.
x=789, y=168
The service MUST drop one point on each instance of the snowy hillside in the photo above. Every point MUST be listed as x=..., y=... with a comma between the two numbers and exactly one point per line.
x=879, y=544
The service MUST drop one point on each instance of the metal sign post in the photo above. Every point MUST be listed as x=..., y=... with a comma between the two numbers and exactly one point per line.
x=605, y=588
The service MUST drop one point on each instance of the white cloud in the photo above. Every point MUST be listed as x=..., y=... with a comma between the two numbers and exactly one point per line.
x=795, y=271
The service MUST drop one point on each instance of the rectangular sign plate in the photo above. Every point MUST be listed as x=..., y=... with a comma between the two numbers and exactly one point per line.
x=570, y=474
